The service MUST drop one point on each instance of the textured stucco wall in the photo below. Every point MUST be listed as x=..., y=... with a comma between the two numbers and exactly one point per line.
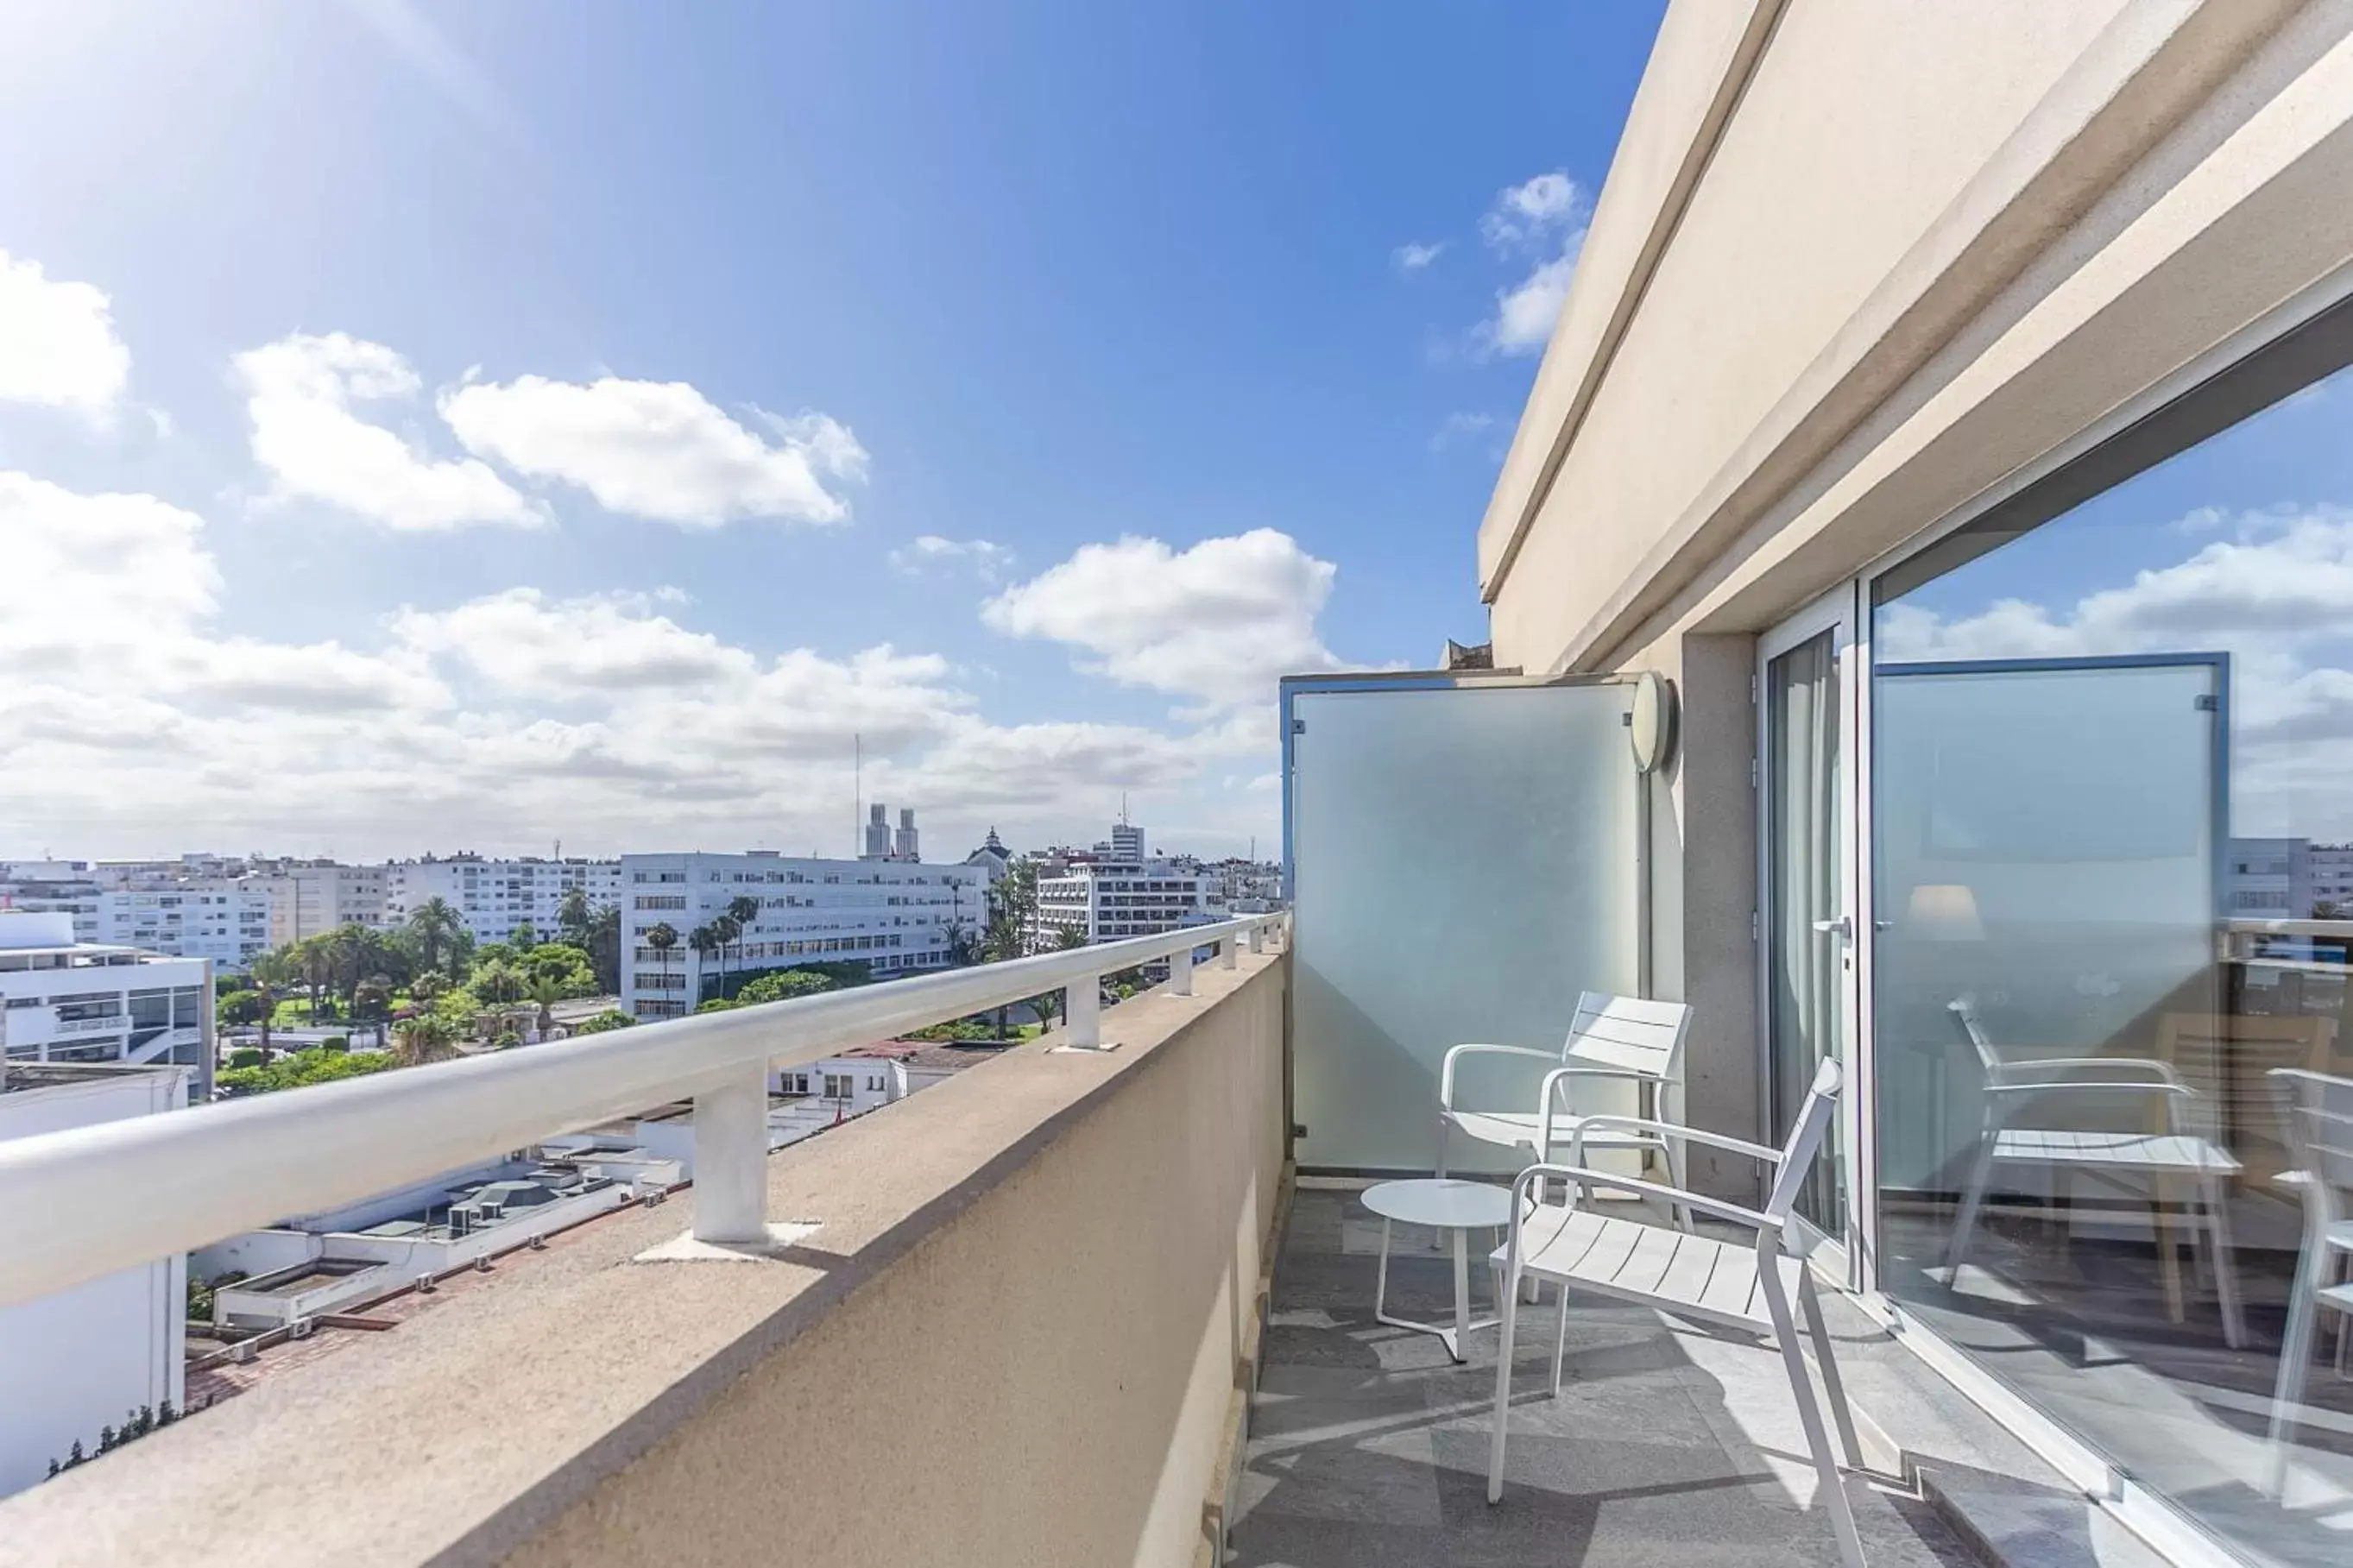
x=1045, y=1380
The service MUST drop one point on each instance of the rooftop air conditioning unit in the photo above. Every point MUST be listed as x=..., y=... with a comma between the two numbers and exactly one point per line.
x=299, y=1328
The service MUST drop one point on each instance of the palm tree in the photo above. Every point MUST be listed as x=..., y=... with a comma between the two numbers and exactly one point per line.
x=605, y=948
x=575, y=915
x=706, y=940
x=726, y=928
x=662, y=939
x=272, y=973
x=435, y=928
x=359, y=951
x=427, y=986
x=744, y=909
x=545, y=992
x=421, y=1040
x=316, y=959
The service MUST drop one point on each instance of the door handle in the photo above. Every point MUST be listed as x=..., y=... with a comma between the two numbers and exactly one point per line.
x=1842, y=928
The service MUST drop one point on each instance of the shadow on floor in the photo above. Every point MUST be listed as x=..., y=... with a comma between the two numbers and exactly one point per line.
x=1368, y=1446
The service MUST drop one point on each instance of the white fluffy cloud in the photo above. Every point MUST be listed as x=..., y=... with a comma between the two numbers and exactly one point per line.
x=524, y=644
x=658, y=449
x=1545, y=217
x=137, y=721
x=86, y=575
x=2282, y=581
x=1219, y=622
x=57, y=346
x=1416, y=257
x=1532, y=214
x=988, y=561
x=1459, y=426
x=299, y=392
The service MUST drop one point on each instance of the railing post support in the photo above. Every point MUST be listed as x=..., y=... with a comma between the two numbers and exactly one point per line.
x=731, y=1157
x=1230, y=951
x=1180, y=971
x=1082, y=1014
x=1258, y=938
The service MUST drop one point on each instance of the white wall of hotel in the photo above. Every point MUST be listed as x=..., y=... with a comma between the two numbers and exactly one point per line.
x=893, y=914
x=80, y=1360
x=64, y=1001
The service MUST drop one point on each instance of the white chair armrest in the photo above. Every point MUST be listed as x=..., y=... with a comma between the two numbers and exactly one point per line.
x=1577, y=1177
x=1454, y=1053
x=1668, y=1130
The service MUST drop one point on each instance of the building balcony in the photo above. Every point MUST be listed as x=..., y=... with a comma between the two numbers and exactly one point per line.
x=1069, y=1307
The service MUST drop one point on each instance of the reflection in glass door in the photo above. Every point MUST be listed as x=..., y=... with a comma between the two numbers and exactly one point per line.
x=1808, y=931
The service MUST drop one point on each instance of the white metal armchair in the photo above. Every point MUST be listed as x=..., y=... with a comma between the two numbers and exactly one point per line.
x=2129, y=1168
x=1690, y=1277
x=2318, y=1110
x=1623, y=1038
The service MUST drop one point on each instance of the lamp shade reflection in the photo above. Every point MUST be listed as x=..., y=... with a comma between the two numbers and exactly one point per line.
x=1944, y=911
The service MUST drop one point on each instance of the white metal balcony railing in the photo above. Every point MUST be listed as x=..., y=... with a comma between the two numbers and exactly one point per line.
x=83, y=1203
x=115, y=1021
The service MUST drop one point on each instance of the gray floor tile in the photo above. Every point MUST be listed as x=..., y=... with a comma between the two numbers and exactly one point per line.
x=1368, y=1446
x=1277, y=1540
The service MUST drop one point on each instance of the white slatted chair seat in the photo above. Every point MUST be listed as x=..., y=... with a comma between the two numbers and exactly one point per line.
x=1677, y=1272
x=2157, y=1154
x=1625, y=1039
x=1763, y=1284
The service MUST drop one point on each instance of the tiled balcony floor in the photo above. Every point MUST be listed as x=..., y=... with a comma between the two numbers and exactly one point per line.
x=1368, y=1446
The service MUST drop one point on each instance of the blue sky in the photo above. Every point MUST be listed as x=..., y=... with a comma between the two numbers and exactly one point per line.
x=519, y=421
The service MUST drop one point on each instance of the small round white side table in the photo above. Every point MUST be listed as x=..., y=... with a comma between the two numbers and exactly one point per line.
x=1445, y=1204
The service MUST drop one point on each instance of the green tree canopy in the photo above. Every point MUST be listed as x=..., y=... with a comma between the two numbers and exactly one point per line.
x=777, y=984
x=300, y=1069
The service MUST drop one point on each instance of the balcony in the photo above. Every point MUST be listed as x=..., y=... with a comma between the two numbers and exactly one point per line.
x=1073, y=1302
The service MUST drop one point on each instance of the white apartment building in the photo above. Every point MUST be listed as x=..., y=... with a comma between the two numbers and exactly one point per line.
x=66, y=1000
x=894, y=915
x=1122, y=892
x=494, y=897
x=310, y=899
x=81, y=1360
x=161, y=906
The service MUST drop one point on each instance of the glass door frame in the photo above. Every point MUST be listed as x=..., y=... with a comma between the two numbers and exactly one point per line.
x=1844, y=1259
x=2154, y=1518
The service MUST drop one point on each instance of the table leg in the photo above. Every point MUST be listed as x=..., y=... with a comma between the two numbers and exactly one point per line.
x=1381, y=1281
x=1462, y=1292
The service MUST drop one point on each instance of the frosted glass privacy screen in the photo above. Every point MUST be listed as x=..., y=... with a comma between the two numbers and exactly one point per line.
x=1462, y=864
